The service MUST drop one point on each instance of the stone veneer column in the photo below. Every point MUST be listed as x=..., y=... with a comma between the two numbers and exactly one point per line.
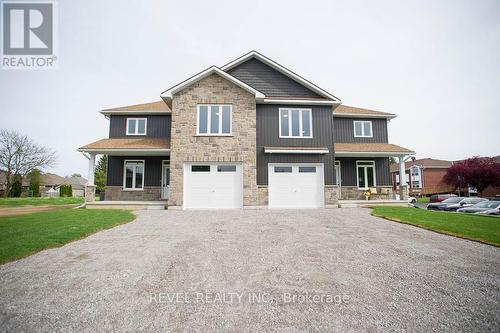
x=186, y=146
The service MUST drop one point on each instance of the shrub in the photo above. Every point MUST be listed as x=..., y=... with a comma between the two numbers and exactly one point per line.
x=17, y=186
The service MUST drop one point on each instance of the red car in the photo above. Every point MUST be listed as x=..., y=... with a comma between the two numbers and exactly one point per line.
x=440, y=197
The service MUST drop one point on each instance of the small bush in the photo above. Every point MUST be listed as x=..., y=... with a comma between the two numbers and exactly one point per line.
x=17, y=186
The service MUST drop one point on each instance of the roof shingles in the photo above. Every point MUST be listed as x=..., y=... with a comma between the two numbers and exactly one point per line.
x=128, y=143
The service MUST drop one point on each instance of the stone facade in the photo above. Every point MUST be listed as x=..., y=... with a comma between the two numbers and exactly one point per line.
x=116, y=193
x=331, y=195
x=353, y=193
x=89, y=193
x=186, y=146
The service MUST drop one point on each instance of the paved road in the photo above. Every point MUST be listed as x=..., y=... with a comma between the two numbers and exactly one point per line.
x=365, y=273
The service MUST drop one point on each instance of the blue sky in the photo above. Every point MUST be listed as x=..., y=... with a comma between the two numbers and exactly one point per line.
x=434, y=63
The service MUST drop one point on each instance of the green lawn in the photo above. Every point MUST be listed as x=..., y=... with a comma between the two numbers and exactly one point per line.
x=485, y=229
x=19, y=202
x=423, y=200
x=23, y=235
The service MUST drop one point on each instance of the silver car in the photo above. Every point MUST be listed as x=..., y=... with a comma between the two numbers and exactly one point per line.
x=480, y=207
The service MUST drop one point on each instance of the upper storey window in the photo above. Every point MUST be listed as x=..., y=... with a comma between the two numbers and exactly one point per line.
x=363, y=129
x=295, y=123
x=215, y=119
x=136, y=126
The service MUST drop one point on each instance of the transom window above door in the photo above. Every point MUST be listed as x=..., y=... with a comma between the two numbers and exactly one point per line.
x=136, y=126
x=363, y=129
x=214, y=119
x=295, y=123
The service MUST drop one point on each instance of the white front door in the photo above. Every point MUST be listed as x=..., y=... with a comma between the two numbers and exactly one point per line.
x=213, y=185
x=296, y=185
x=165, y=169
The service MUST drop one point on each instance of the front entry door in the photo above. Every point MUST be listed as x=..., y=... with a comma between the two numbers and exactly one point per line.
x=165, y=168
x=338, y=178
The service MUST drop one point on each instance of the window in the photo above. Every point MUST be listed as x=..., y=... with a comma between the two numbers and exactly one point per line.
x=307, y=169
x=363, y=129
x=133, y=177
x=214, y=119
x=415, y=171
x=282, y=169
x=136, y=126
x=295, y=123
x=226, y=168
x=200, y=168
x=366, y=174
x=415, y=184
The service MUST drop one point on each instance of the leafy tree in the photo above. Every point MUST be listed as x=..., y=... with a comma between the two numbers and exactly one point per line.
x=100, y=174
x=65, y=190
x=17, y=186
x=76, y=175
x=479, y=172
x=34, y=178
x=19, y=155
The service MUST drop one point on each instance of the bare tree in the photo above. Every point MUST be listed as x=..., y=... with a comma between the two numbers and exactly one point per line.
x=19, y=155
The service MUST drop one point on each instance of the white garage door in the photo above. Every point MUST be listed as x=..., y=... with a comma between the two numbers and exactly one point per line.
x=213, y=185
x=296, y=186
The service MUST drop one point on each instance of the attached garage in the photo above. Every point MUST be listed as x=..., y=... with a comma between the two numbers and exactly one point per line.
x=213, y=186
x=296, y=185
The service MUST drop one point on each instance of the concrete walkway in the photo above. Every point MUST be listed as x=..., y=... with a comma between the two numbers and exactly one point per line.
x=184, y=271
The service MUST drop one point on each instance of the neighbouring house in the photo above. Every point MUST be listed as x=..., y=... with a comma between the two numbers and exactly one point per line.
x=249, y=133
x=424, y=176
x=77, y=184
x=25, y=187
x=50, y=181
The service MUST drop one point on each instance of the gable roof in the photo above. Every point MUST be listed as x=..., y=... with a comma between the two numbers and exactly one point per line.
x=355, y=112
x=158, y=107
x=167, y=94
x=283, y=70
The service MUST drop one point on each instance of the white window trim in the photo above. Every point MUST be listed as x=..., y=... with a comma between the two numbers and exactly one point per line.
x=363, y=128
x=133, y=176
x=338, y=182
x=137, y=126
x=209, y=115
x=366, y=173
x=301, y=131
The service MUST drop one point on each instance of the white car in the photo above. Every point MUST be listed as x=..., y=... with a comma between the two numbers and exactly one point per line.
x=412, y=200
x=494, y=211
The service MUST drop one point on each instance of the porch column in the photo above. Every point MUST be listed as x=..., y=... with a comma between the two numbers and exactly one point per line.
x=90, y=187
x=403, y=186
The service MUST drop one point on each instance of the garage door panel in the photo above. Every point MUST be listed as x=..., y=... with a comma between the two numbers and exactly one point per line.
x=213, y=185
x=296, y=185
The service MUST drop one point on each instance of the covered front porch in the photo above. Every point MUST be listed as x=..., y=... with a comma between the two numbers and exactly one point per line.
x=362, y=171
x=137, y=172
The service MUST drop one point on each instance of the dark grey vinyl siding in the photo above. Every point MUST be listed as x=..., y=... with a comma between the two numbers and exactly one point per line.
x=344, y=130
x=268, y=136
x=349, y=173
x=269, y=81
x=152, y=169
x=157, y=126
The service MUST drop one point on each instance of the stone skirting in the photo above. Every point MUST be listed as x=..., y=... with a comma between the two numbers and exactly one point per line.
x=331, y=195
x=116, y=193
x=89, y=193
x=353, y=193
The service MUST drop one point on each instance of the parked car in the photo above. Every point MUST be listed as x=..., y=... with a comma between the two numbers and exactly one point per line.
x=440, y=197
x=466, y=202
x=440, y=205
x=480, y=207
x=494, y=211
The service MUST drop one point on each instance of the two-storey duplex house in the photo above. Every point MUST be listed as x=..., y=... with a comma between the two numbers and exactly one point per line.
x=250, y=133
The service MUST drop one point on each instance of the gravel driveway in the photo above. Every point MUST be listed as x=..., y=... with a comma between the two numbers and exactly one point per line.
x=256, y=270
